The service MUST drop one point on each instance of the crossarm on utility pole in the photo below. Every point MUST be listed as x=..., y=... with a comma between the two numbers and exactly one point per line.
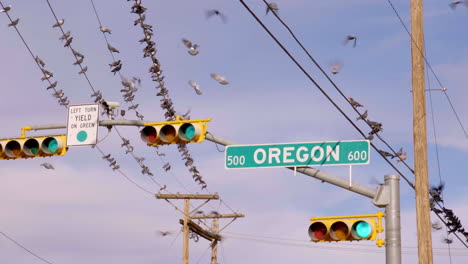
x=200, y=231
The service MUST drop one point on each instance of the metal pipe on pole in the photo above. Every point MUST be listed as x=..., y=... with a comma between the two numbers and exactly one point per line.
x=392, y=221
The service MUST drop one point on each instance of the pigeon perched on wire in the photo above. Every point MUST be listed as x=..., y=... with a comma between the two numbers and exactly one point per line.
x=192, y=47
x=59, y=23
x=48, y=166
x=362, y=116
x=402, y=157
x=273, y=7
x=222, y=80
x=400, y=152
x=68, y=42
x=65, y=36
x=6, y=9
x=354, y=103
x=349, y=38
x=105, y=30
x=52, y=86
x=195, y=86
x=112, y=49
x=213, y=12
x=14, y=23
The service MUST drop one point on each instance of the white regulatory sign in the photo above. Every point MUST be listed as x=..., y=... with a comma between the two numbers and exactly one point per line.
x=82, y=127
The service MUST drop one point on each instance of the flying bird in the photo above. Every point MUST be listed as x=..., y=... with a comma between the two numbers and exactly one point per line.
x=14, y=23
x=349, y=38
x=164, y=233
x=273, y=7
x=6, y=9
x=354, y=103
x=436, y=226
x=222, y=80
x=400, y=152
x=105, y=30
x=336, y=66
x=59, y=23
x=48, y=166
x=362, y=116
x=192, y=47
x=454, y=4
x=195, y=86
x=112, y=49
x=213, y=12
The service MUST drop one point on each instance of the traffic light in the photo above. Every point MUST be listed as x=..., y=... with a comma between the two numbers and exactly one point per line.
x=32, y=147
x=174, y=132
x=347, y=228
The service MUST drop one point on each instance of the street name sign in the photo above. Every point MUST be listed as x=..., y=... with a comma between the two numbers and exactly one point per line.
x=351, y=152
x=82, y=125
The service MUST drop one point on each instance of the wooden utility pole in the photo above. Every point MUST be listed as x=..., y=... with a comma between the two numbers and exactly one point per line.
x=187, y=222
x=423, y=218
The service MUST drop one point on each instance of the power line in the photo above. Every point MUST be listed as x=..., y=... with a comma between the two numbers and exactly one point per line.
x=23, y=247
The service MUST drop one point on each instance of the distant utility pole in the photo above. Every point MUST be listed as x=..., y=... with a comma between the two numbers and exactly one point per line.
x=423, y=217
x=188, y=224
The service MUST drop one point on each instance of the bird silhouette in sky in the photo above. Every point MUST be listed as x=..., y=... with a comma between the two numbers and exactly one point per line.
x=196, y=87
x=454, y=4
x=349, y=38
x=48, y=166
x=192, y=47
x=216, y=12
x=222, y=80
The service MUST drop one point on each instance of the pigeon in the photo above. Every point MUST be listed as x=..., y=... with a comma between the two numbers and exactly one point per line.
x=83, y=70
x=454, y=4
x=105, y=30
x=400, y=152
x=59, y=23
x=115, y=63
x=52, y=85
x=448, y=240
x=68, y=42
x=192, y=47
x=106, y=156
x=65, y=36
x=162, y=188
x=76, y=53
x=134, y=107
x=402, y=157
x=160, y=154
x=140, y=20
x=386, y=154
x=117, y=68
x=222, y=80
x=362, y=116
x=354, y=103
x=214, y=212
x=164, y=233
x=273, y=7
x=167, y=166
x=39, y=61
x=13, y=23
x=47, y=75
x=112, y=49
x=78, y=61
x=336, y=66
x=436, y=226
x=6, y=9
x=48, y=166
x=122, y=113
x=350, y=37
x=212, y=12
x=195, y=86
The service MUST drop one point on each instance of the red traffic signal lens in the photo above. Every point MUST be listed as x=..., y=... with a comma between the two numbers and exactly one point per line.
x=149, y=134
x=317, y=231
x=13, y=149
x=339, y=230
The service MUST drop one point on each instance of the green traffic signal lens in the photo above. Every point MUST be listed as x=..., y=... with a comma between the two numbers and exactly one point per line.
x=362, y=229
x=31, y=147
x=50, y=145
x=187, y=132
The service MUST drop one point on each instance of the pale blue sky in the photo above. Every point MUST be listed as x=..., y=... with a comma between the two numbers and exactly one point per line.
x=83, y=212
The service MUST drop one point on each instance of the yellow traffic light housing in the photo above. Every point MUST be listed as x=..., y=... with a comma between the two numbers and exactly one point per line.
x=174, y=132
x=347, y=228
x=33, y=147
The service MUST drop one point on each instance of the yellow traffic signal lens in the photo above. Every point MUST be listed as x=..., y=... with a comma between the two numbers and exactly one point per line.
x=31, y=147
x=339, y=230
x=317, y=231
x=168, y=133
x=361, y=230
x=13, y=149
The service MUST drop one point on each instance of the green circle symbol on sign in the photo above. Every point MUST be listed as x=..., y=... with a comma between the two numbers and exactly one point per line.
x=82, y=136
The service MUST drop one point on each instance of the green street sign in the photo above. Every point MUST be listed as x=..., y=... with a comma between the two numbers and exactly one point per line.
x=297, y=154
